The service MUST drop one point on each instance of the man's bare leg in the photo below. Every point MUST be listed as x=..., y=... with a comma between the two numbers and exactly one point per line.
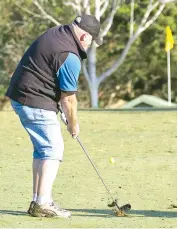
x=35, y=166
x=47, y=172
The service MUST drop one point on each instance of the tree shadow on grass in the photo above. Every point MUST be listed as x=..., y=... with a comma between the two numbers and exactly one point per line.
x=131, y=213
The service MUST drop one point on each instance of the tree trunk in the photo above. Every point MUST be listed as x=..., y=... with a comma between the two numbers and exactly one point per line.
x=93, y=80
x=94, y=95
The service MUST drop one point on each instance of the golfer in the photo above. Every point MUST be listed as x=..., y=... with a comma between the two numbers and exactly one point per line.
x=48, y=75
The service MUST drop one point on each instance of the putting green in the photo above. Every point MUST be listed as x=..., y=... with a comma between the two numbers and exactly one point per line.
x=143, y=145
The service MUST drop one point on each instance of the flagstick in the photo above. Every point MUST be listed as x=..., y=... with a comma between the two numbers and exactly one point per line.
x=169, y=76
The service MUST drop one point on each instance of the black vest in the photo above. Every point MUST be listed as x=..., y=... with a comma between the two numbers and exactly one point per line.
x=34, y=82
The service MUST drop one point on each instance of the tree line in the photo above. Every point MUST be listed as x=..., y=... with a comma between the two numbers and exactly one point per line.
x=132, y=60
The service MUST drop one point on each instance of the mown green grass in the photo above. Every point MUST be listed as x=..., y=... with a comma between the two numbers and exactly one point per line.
x=144, y=147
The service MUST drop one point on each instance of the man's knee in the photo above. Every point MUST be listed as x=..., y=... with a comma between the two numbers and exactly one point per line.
x=51, y=154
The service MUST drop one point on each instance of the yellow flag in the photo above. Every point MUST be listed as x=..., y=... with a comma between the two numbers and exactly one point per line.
x=169, y=39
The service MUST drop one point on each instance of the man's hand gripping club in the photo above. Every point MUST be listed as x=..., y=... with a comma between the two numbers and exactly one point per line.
x=69, y=113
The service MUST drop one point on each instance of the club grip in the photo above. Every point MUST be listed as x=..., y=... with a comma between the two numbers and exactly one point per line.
x=63, y=118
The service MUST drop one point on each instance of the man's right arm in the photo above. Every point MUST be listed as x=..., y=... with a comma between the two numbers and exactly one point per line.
x=69, y=106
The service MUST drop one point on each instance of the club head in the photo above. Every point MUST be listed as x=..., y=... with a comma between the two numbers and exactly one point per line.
x=119, y=211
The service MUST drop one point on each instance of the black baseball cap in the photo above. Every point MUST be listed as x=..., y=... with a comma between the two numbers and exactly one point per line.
x=91, y=25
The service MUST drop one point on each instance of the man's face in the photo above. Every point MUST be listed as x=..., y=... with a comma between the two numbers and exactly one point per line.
x=86, y=40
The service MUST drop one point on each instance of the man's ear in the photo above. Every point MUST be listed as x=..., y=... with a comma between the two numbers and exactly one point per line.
x=83, y=37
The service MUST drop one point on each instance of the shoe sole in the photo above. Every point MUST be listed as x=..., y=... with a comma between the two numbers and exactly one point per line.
x=49, y=216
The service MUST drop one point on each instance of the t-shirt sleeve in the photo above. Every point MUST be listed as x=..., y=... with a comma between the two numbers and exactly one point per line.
x=68, y=73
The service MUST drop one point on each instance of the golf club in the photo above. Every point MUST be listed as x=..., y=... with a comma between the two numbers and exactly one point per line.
x=118, y=210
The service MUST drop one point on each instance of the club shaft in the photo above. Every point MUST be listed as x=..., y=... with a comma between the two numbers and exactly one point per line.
x=94, y=167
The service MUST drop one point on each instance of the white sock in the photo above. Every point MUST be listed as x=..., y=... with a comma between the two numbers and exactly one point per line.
x=34, y=197
x=42, y=200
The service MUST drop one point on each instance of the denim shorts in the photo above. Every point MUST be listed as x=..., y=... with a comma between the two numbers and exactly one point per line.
x=44, y=130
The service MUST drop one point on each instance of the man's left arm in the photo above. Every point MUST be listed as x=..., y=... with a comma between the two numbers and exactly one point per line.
x=67, y=76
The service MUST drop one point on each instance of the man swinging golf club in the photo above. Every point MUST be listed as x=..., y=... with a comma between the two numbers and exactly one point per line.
x=46, y=75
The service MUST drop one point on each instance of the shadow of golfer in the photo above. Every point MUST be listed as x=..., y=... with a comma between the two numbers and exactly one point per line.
x=153, y=213
x=131, y=213
x=104, y=213
x=10, y=212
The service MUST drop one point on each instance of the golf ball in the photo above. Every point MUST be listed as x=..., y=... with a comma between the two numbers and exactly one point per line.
x=112, y=160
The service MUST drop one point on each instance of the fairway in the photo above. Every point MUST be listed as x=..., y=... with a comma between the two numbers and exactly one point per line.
x=143, y=145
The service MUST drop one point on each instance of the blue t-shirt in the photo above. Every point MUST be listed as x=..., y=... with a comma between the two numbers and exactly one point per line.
x=68, y=73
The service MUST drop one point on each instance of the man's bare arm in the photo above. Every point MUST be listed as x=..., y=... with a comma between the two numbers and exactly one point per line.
x=69, y=105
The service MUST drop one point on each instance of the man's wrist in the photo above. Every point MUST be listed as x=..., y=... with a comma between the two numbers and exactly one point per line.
x=73, y=121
